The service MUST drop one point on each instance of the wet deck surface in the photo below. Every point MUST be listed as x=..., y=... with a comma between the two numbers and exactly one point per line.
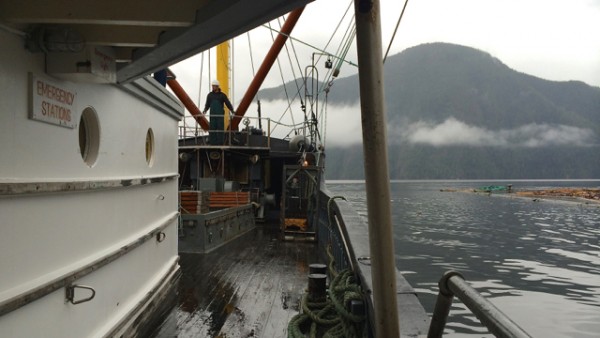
x=248, y=288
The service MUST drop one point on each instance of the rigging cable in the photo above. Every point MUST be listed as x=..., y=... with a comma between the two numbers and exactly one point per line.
x=231, y=71
x=344, y=48
x=335, y=30
x=395, y=30
x=209, y=70
x=253, y=73
x=184, y=119
x=251, y=56
x=320, y=55
x=12, y=30
x=200, y=82
x=292, y=64
x=309, y=45
x=289, y=107
x=294, y=77
x=323, y=52
x=283, y=81
x=324, y=119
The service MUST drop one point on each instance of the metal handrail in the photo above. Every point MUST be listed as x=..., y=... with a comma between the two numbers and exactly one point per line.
x=193, y=129
x=453, y=283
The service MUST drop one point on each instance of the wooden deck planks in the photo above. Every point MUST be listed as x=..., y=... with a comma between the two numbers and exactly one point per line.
x=248, y=288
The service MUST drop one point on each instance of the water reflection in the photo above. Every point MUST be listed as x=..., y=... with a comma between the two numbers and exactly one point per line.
x=539, y=262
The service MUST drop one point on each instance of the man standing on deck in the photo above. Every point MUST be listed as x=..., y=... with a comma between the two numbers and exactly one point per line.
x=215, y=101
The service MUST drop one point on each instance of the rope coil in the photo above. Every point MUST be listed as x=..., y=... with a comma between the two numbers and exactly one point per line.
x=330, y=319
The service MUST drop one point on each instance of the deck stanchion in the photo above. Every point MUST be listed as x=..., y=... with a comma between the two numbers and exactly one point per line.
x=453, y=284
x=370, y=73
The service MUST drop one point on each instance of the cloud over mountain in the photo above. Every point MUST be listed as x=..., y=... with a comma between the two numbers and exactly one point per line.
x=453, y=132
x=458, y=112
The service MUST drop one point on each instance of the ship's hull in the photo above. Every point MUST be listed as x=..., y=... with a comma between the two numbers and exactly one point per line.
x=88, y=208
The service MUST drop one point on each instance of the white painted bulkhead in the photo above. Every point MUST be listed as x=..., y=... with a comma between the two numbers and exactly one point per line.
x=47, y=234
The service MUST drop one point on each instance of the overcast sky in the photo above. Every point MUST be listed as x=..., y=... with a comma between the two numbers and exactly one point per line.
x=551, y=39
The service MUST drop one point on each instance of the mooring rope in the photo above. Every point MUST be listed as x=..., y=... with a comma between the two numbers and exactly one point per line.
x=330, y=319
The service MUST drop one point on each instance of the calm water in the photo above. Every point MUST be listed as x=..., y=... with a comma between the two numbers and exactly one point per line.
x=539, y=262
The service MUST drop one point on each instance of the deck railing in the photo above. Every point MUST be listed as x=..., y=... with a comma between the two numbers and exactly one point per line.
x=329, y=234
x=453, y=283
x=189, y=128
x=343, y=233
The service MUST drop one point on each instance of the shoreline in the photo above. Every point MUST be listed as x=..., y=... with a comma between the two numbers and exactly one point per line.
x=577, y=195
x=568, y=194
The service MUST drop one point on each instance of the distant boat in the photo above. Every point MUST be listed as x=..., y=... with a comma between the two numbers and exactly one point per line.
x=495, y=188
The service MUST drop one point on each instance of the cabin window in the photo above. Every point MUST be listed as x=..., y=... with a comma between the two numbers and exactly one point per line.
x=89, y=136
x=150, y=147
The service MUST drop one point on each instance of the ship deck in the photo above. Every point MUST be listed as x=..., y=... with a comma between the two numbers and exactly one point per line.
x=249, y=287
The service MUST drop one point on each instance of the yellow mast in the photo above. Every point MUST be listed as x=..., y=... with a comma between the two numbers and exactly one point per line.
x=223, y=73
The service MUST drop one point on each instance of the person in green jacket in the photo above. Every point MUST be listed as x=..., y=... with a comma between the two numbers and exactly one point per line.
x=215, y=101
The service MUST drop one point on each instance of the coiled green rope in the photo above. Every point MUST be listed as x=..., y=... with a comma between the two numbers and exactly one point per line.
x=330, y=318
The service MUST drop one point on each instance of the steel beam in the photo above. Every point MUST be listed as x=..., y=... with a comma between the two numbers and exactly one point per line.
x=219, y=21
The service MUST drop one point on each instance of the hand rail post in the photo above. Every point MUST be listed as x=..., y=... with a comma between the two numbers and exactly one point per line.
x=442, y=307
x=452, y=283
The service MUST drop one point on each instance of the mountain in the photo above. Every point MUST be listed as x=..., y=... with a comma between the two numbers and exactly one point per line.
x=457, y=112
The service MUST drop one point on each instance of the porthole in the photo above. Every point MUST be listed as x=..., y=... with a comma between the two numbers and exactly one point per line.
x=150, y=147
x=89, y=136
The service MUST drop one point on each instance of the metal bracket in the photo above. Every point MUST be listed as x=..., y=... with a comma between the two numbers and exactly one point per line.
x=365, y=260
x=70, y=294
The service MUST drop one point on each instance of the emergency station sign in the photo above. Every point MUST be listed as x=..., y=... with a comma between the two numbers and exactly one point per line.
x=52, y=102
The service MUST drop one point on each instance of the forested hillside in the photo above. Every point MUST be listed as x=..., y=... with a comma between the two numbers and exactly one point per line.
x=457, y=112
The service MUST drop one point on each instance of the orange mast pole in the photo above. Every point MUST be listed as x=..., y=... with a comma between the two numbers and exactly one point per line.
x=188, y=103
x=268, y=62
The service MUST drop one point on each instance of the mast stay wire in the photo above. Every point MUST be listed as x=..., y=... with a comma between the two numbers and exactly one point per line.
x=294, y=77
x=251, y=55
x=298, y=92
x=347, y=45
x=231, y=70
x=343, y=48
x=289, y=108
x=335, y=31
x=298, y=88
x=196, y=124
x=200, y=80
x=337, y=52
x=283, y=81
x=309, y=45
x=395, y=30
x=298, y=63
x=320, y=50
x=327, y=82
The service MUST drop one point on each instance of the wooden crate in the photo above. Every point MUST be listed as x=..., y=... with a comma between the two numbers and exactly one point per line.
x=228, y=199
x=193, y=202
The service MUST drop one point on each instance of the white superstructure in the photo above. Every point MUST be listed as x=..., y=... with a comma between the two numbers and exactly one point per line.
x=83, y=202
x=88, y=157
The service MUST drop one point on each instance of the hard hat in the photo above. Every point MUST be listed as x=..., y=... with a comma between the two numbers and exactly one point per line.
x=215, y=83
